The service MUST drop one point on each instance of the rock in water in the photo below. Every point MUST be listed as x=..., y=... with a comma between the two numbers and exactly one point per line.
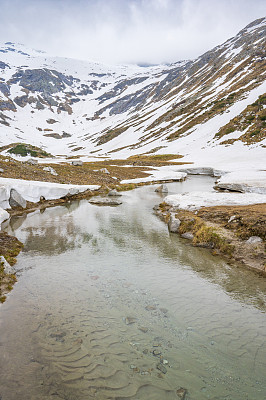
x=187, y=235
x=77, y=162
x=161, y=368
x=174, y=224
x=181, y=393
x=162, y=189
x=16, y=200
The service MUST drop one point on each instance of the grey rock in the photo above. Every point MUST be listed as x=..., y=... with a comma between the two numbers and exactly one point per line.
x=161, y=368
x=181, y=393
x=161, y=189
x=254, y=240
x=114, y=193
x=105, y=201
x=16, y=200
x=231, y=219
x=77, y=162
x=174, y=224
x=1, y=170
x=31, y=161
x=51, y=170
x=104, y=170
x=187, y=235
x=7, y=267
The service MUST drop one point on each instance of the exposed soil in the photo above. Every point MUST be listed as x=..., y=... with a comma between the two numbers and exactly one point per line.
x=87, y=174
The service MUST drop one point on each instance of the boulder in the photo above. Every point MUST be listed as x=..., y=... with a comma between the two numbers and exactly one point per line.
x=104, y=170
x=174, y=224
x=31, y=161
x=162, y=189
x=254, y=240
x=16, y=200
x=187, y=235
x=51, y=170
x=77, y=162
x=114, y=193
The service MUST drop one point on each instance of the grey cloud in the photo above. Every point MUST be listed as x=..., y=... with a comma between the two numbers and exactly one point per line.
x=126, y=31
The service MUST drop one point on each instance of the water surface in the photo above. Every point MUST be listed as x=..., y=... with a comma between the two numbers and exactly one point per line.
x=109, y=305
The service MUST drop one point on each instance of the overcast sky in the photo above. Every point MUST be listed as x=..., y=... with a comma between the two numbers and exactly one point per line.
x=126, y=31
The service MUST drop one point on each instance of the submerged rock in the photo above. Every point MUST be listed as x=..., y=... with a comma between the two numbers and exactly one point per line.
x=161, y=368
x=16, y=200
x=181, y=393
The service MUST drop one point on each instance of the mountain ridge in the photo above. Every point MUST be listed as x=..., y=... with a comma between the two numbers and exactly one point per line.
x=71, y=107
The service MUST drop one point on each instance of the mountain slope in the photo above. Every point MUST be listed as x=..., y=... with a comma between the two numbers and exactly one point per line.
x=197, y=108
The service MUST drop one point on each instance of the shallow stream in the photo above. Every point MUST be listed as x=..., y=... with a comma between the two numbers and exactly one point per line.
x=109, y=305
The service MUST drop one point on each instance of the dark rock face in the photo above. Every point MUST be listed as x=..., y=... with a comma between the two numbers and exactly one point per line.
x=4, y=88
x=42, y=80
x=3, y=65
x=7, y=105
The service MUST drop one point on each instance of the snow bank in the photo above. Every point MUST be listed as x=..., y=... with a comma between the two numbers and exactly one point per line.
x=165, y=173
x=244, y=181
x=33, y=190
x=195, y=200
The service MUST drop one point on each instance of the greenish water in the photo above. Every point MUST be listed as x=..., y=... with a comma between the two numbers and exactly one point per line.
x=106, y=295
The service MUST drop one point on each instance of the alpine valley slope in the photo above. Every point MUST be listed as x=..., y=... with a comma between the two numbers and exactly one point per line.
x=211, y=109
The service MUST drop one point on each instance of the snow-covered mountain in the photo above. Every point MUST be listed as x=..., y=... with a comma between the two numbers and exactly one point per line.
x=72, y=107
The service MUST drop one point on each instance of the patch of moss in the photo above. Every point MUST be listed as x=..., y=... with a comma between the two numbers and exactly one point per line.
x=26, y=149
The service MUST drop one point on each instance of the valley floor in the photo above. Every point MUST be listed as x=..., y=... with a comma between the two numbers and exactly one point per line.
x=224, y=229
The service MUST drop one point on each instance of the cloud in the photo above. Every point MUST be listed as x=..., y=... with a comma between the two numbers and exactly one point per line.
x=126, y=31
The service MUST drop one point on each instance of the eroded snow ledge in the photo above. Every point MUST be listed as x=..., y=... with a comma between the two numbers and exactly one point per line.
x=33, y=190
x=196, y=200
x=244, y=181
x=165, y=173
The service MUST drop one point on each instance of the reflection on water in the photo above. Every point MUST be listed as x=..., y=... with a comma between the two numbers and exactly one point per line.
x=109, y=305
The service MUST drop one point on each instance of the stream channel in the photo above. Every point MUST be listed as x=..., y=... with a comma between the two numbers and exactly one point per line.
x=109, y=305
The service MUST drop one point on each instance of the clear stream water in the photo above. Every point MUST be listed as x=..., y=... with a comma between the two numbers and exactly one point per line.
x=109, y=305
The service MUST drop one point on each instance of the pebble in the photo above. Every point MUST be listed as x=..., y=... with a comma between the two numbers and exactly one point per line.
x=129, y=320
x=161, y=368
x=150, y=308
x=181, y=393
x=156, y=353
x=143, y=329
